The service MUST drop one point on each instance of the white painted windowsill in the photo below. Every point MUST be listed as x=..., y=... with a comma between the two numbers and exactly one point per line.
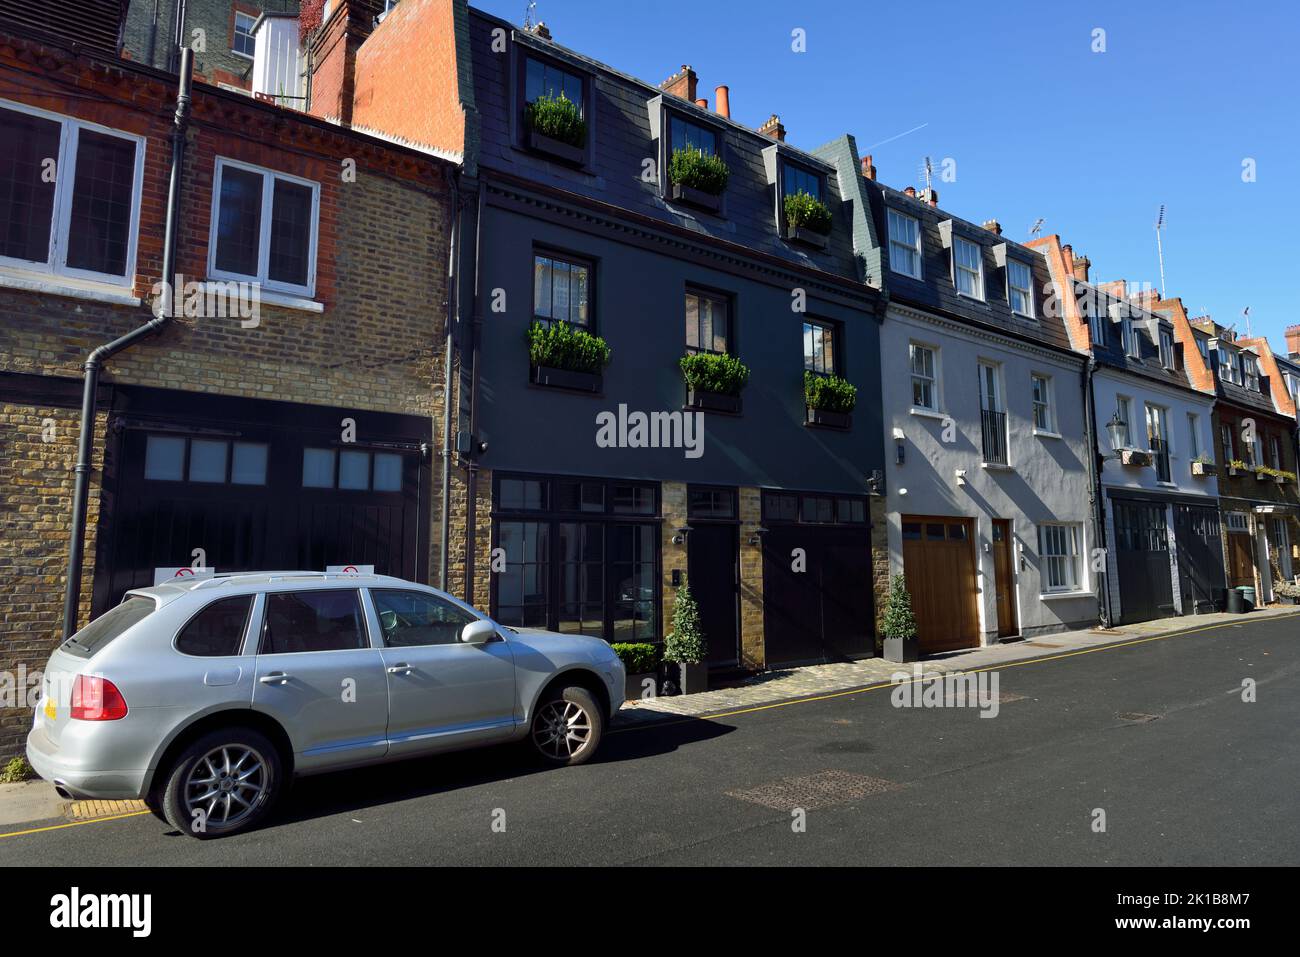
x=1047, y=434
x=1052, y=595
x=997, y=467
x=928, y=413
x=267, y=297
x=95, y=292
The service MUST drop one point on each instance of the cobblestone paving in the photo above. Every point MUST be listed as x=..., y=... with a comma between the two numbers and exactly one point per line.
x=783, y=684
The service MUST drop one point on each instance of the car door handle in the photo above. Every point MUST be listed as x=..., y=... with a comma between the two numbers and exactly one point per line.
x=275, y=678
x=401, y=669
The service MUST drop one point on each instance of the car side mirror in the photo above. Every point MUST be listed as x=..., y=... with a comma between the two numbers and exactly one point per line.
x=477, y=632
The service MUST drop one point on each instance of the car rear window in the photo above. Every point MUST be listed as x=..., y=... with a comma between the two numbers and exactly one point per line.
x=217, y=631
x=107, y=627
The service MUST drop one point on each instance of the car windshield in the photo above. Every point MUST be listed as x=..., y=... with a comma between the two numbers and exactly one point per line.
x=108, y=626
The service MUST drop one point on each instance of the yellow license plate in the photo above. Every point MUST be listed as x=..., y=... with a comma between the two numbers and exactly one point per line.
x=50, y=710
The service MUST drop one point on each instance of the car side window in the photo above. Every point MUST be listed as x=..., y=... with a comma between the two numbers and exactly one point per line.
x=411, y=618
x=299, y=621
x=217, y=630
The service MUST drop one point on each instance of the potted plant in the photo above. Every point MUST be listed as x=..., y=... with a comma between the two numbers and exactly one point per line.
x=555, y=126
x=1265, y=474
x=565, y=356
x=830, y=400
x=685, y=645
x=641, y=659
x=808, y=220
x=1135, y=457
x=713, y=382
x=901, y=641
x=698, y=178
x=1237, y=467
x=1203, y=465
x=1288, y=593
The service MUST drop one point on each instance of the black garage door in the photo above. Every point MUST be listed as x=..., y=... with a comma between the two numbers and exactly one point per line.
x=1200, y=558
x=1142, y=561
x=258, y=486
x=817, y=600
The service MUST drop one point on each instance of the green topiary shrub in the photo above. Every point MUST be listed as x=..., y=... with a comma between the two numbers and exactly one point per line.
x=804, y=210
x=706, y=372
x=558, y=118
x=686, y=642
x=897, y=622
x=829, y=393
x=698, y=170
x=639, y=657
x=559, y=345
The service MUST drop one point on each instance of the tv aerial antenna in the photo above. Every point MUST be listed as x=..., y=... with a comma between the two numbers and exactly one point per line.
x=927, y=170
x=1037, y=227
x=528, y=15
x=1160, y=247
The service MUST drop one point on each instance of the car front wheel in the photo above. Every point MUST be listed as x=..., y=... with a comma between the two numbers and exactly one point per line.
x=567, y=726
x=223, y=783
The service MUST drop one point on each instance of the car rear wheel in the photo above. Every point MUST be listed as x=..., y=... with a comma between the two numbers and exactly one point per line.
x=225, y=782
x=567, y=726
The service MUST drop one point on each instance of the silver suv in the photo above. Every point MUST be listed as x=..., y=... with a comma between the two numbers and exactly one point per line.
x=204, y=697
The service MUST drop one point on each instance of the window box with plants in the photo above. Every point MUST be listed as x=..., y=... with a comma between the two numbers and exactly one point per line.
x=554, y=125
x=713, y=381
x=1203, y=466
x=807, y=220
x=1135, y=457
x=697, y=178
x=1237, y=467
x=830, y=400
x=566, y=357
x=899, y=625
x=685, y=646
x=641, y=659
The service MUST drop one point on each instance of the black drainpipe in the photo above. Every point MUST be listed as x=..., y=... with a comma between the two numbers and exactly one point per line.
x=449, y=353
x=1095, y=491
x=81, y=488
x=471, y=478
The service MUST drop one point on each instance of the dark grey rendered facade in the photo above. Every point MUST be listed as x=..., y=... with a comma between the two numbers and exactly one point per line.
x=604, y=555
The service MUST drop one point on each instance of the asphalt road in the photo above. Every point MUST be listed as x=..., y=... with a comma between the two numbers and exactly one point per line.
x=1209, y=780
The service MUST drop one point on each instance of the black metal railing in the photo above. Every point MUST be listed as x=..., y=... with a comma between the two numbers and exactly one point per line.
x=1160, y=458
x=995, y=437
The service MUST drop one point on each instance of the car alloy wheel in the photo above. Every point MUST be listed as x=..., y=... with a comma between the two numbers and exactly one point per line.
x=562, y=729
x=228, y=784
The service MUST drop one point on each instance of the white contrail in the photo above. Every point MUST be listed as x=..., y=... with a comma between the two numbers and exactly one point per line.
x=899, y=136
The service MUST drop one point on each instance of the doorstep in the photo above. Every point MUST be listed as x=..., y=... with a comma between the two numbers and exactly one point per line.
x=771, y=687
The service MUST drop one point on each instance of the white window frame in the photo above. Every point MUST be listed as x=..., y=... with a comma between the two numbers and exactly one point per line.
x=1047, y=402
x=892, y=215
x=234, y=32
x=1124, y=406
x=957, y=268
x=1194, y=434
x=1012, y=264
x=1100, y=327
x=269, y=176
x=1128, y=337
x=1250, y=368
x=1166, y=349
x=65, y=182
x=934, y=380
x=1071, y=558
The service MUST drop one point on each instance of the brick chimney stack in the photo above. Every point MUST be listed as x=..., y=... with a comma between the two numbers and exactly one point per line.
x=773, y=128
x=930, y=195
x=681, y=83
x=993, y=226
x=868, y=169
x=1081, y=265
x=910, y=191
x=1293, y=341
x=334, y=57
x=542, y=30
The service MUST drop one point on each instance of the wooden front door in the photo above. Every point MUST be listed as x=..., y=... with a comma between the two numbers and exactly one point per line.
x=1004, y=572
x=1241, y=570
x=939, y=565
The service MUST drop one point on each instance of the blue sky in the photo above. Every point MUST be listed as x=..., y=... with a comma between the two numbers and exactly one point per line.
x=1037, y=123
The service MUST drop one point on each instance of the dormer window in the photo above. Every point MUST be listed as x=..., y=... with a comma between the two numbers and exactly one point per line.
x=1166, y=349
x=968, y=263
x=547, y=79
x=1129, y=339
x=904, y=244
x=552, y=112
x=1020, y=288
x=683, y=134
x=799, y=180
x=1252, y=372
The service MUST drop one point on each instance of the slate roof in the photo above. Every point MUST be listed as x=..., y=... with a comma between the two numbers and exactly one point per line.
x=935, y=289
x=1146, y=326
x=620, y=125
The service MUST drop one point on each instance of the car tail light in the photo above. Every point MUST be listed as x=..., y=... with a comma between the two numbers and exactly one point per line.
x=96, y=699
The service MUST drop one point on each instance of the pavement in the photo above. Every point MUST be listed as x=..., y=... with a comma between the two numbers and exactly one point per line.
x=1144, y=751
x=784, y=684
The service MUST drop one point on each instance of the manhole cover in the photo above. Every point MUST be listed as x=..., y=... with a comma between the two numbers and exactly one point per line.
x=822, y=789
x=1137, y=717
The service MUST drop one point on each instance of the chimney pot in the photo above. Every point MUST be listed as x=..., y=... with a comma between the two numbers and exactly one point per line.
x=868, y=171
x=542, y=30
x=910, y=191
x=930, y=195
x=702, y=103
x=722, y=96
